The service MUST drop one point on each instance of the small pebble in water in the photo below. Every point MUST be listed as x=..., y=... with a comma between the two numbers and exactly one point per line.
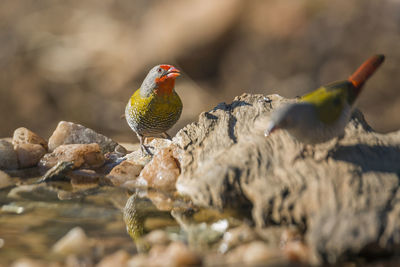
x=12, y=209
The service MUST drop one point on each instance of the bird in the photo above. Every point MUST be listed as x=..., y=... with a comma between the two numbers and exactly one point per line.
x=322, y=115
x=155, y=107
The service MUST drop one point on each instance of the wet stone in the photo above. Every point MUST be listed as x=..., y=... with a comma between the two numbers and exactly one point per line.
x=5, y=180
x=162, y=171
x=126, y=171
x=33, y=192
x=175, y=254
x=119, y=258
x=75, y=242
x=237, y=236
x=8, y=157
x=23, y=135
x=29, y=154
x=72, y=133
x=83, y=155
x=256, y=252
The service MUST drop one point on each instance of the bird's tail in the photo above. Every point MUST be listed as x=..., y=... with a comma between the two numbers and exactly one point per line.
x=361, y=75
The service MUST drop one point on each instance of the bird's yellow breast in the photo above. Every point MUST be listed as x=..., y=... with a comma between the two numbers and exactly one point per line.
x=329, y=101
x=153, y=114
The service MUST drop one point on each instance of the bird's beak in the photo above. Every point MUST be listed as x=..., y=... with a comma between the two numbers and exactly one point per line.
x=173, y=72
x=270, y=128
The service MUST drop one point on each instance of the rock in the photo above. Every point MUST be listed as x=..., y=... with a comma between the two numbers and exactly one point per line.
x=126, y=171
x=27, y=262
x=236, y=236
x=255, y=253
x=5, y=180
x=72, y=133
x=162, y=171
x=29, y=154
x=39, y=192
x=23, y=135
x=157, y=237
x=85, y=179
x=75, y=242
x=176, y=254
x=83, y=155
x=343, y=202
x=8, y=157
x=119, y=258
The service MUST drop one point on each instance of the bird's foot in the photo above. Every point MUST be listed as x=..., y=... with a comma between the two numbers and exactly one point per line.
x=267, y=100
x=166, y=136
x=145, y=151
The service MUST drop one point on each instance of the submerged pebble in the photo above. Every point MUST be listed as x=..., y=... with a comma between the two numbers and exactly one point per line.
x=175, y=254
x=75, y=242
x=119, y=258
x=256, y=252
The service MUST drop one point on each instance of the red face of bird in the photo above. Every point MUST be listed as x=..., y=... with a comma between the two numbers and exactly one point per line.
x=160, y=80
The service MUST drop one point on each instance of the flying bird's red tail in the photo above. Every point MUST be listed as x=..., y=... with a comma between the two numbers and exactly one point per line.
x=359, y=77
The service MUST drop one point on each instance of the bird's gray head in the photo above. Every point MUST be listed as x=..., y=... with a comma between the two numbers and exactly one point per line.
x=160, y=79
x=290, y=117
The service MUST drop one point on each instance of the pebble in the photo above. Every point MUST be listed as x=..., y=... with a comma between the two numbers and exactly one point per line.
x=157, y=237
x=33, y=192
x=5, y=180
x=23, y=135
x=75, y=242
x=162, y=171
x=26, y=262
x=29, y=154
x=127, y=170
x=8, y=157
x=119, y=258
x=256, y=252
x=236, y=236
x=83, y=155
x=72, y=133
x=176, y=254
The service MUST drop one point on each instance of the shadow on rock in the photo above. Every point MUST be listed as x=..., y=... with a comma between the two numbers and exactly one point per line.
x=371, y=158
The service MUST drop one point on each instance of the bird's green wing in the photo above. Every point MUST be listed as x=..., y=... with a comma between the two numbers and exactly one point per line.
x=329, y=100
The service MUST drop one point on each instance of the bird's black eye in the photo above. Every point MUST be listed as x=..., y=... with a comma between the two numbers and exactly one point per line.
x=159, y=70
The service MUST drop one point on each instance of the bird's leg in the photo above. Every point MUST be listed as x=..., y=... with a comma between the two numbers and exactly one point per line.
x=166, y=136
x=145, y=150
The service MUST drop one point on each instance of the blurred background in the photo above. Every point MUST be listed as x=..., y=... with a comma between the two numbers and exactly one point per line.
x=81, y=60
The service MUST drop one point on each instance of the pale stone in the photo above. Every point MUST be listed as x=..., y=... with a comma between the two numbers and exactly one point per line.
x=125, y=171
x=119, y=258
x=8, y=157
x=159, y=237
x=256, y=252
x=5, y=180
x=23, y=135
x=72, y=133
x=75, y=242
x=83, y=155
x=162, y=171
x=29, y=154
x=27, y=262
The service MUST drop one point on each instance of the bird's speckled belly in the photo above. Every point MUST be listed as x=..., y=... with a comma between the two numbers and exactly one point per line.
x=154, y=115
